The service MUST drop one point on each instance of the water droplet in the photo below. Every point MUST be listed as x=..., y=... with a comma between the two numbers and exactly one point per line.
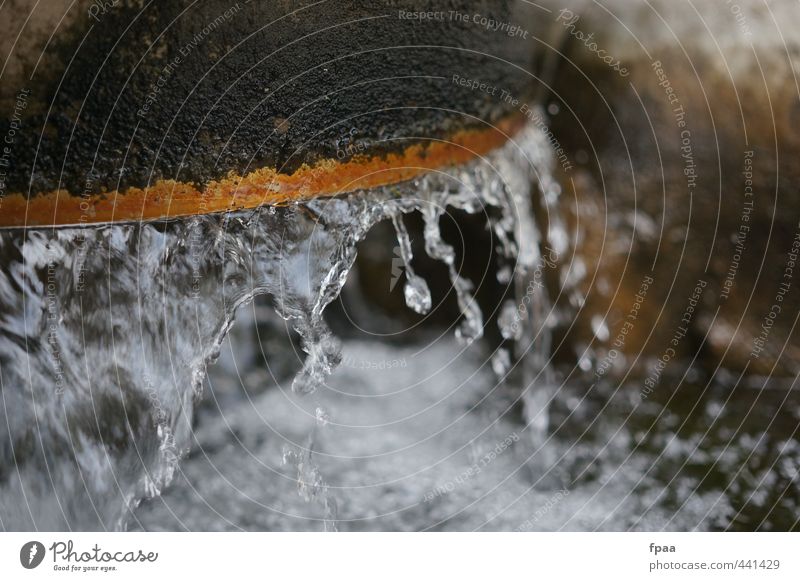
x=323, y=418
x=418, y=295
x=501, y=362
x=509, y=322
x=599, y=328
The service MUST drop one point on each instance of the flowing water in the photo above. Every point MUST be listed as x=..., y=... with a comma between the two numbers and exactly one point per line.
x=107, y=331
x=106, y=335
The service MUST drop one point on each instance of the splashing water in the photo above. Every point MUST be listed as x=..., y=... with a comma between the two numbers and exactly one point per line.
x=106, y=332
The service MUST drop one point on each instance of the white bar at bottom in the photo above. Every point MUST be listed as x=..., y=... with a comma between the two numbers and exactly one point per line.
x=371, y=556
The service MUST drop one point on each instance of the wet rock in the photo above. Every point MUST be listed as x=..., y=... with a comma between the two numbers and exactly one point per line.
x=681, y=124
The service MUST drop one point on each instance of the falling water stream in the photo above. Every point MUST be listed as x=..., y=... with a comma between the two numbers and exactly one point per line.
x=107, y=331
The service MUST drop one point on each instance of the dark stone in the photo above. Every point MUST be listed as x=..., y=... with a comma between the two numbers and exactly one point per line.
x=139, y=91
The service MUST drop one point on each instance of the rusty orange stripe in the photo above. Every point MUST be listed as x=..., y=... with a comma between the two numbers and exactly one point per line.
x=172, y=199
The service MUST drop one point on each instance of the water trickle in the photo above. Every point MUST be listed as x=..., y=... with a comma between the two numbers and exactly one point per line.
x=472, y=326
x=417, y=293
x=106, y=332
x=311, y=485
